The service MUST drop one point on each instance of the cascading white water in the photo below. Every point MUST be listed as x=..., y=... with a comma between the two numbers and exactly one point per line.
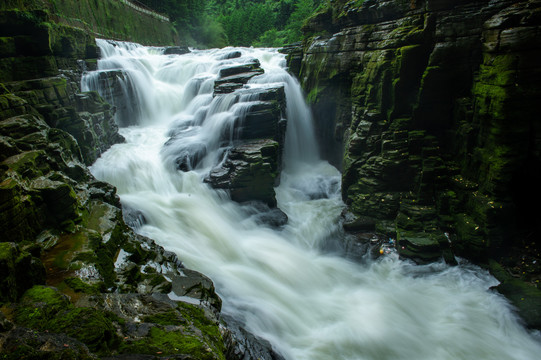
x=310, y=304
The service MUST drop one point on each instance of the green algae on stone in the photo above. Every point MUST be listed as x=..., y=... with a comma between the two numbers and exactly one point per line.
x=78, y=285
x=90, y=326
x=46, y=309
x=185, y=330
x=39, y=305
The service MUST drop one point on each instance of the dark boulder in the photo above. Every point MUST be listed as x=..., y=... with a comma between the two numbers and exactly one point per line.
x=237, y=74
x=250, y=172
x=176, y=50
x=231, y=55
x=262, y=214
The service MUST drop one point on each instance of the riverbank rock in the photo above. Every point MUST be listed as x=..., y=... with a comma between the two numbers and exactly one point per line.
x=66, y=254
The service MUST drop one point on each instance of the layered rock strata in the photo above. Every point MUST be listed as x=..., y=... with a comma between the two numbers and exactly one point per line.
x=429, y=108
x=252, y=166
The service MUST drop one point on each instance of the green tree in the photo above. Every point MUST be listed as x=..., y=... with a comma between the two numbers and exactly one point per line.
x=214, y=23
x=303, y=10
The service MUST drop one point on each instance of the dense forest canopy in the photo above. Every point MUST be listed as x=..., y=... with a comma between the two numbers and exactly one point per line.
x=218, y=23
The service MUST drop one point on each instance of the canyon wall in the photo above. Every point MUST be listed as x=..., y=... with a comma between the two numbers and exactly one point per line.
x=431, y=110
x=76, y=282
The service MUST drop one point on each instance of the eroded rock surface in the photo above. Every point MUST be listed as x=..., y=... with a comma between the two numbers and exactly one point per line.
x=429, y=108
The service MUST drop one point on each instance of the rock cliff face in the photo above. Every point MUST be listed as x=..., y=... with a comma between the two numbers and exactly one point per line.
x=431, y=111
x=76, y=282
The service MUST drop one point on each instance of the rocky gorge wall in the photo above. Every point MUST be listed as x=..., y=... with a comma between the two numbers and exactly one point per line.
x=76, y=282
x=431, y=110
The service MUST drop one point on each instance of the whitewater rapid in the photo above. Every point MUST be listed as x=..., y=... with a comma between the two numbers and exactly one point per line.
x=285, y=285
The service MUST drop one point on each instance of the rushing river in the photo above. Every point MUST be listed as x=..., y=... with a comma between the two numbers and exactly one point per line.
x=285, y=285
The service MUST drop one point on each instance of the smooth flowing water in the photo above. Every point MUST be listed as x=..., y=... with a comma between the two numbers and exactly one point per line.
x=284, y=285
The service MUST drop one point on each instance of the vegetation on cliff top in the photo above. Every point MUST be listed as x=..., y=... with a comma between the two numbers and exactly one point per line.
x=218, y=23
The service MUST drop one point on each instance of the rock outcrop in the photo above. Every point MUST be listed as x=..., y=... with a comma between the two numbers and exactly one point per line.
x=252, y=166
x=77, y=282
x=429, y=108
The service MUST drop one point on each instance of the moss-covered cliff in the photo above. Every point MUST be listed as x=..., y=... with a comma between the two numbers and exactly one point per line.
x=431, y=109
x=110, y=19
x=76, y=282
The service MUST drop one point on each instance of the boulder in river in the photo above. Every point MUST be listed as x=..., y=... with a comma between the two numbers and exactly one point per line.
x=250, y=172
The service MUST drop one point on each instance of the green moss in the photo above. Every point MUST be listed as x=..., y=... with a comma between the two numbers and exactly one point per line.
x=197, y=316
x=171, y=317
x=29, y=164
x=78, y=285
x=197, y=335
x=523, y=295
x=45, y=308
x=313, y=95
x=8, y=290
x=106, y=266
x=168, y=343
x=90, y=326
x=65, y=251
x=163, y=342
x=6, y=251
x=39, y=305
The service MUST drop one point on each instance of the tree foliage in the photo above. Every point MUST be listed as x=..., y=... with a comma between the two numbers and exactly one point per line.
x=217, y=23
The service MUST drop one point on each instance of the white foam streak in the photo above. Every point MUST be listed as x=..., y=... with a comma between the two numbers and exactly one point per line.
x=309, y=304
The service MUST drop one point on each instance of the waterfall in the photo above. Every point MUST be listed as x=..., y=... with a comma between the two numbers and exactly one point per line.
x=289, y=286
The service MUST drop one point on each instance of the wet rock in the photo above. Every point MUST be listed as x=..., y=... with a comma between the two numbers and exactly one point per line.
x=408, y=136
x=5, y=324
x=262, y=120
x=27, y=343
x=60, y=198
x=119, y=91
x=153, y=324
x=262, y=214
x=176, y=50
x=188, y=156
x=250, y=172
x=251, y=168
x=133, y=218
x=294, y=57
x=231, y=55
x=234, y=77
x=20, y=271
x=242, y=345
x=253, y=65
x=353, y=223
x=524, y=295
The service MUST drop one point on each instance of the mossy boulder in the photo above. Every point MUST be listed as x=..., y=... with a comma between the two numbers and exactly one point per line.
x=524, y=295
x=20, y=271
x=46, y=309
x=187, y=329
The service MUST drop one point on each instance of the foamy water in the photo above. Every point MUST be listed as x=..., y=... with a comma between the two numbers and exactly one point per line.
x=282, y=284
